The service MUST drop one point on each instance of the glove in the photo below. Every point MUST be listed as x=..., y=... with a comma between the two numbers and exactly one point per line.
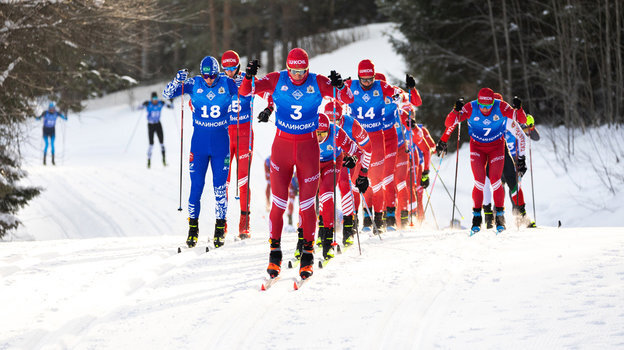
x=530, y=121
x=145, y=104
x=521, y=166
x=441, y=148
x=424, y=180
x=412, y=123
x=361, y=183
x=459, y=104
x=181, y=75
x=516, y=103
x=252, y=69
x=409, y=81
x=349, y=162
x=263, y=117
x=336, y=79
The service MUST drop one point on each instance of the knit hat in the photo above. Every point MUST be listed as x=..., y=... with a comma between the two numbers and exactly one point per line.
x=329, y=110
x=486, y=97
x=366, y=69
x=323, y=122
x=380, y=76
x=230, y=59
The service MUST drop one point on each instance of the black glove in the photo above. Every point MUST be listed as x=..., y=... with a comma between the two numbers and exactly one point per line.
x=521, y=166
x=459, y=104
x=252, y=69
x=441, y=148
x=424, y=180
x=409, y=81
x=412, y=123
x=145, y=104
x=349, y=162
x=516, y=103
x=361, y=183
x=263, y=117
x=336, y=79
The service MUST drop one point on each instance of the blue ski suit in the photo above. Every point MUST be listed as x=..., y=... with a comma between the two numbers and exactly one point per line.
x=210, y=143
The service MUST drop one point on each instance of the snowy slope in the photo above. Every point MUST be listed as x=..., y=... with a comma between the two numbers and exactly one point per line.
x=94, y=265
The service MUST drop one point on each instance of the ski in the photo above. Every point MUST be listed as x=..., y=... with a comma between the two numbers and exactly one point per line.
x=292, y=263
x=473, y=231
x=268, y=283
x=187, y=248
x=300, y=282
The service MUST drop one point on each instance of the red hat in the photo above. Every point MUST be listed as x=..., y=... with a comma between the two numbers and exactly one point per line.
x=230, y=59
x=329, y=110
x=486, y=97
x=297, y=59
x=498, y=96
x=366, y=69
x=380, y=76
x=323, y=122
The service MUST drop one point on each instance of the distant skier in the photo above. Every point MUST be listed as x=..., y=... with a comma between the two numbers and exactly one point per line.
x=211, y=97
x=487, y=121
x=154, y=108
x=297, y=94
x=49, y=129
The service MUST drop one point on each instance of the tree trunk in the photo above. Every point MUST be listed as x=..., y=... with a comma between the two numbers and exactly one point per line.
x=272, y=37
x=509, y=59
x=498, y=61
x=227, y=25
x=213, y=27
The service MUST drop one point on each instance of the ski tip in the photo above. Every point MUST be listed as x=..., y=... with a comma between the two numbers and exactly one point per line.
x=295, y=286
x=262, y=288
x=290, y=265
x=320, y=264
x=207, y=249
x=179, y=250
x=338, y=249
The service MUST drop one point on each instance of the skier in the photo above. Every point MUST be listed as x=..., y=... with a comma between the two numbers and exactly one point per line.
x=154, y=108
x=486, y=127
x=368, y=109
x=297, y=94
x=349, y=193
x=513, y=170
x=334, y=141
x=241, y=137
x=49, y=129
x=211, y=97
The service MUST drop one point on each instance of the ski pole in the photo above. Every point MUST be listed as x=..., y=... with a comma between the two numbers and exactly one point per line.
x=456, y=168
x=181, y=142
x=253, y=91
x=532, y=187
x=132, y=135
x=238, y=108
x=435, y=220
x=409, y=150
x=434, y=182
x=447, y=192
x=334, y=146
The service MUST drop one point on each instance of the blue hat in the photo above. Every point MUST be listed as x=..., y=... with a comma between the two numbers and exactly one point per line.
x=209, y=67
x=52, y=105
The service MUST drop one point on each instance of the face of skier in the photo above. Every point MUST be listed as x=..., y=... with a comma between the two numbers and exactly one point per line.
x=485, y=109
x=154, y=100
x=209, y=79
x=367, y=82
x=321, y=135
x=298, y=74
x=230, y=71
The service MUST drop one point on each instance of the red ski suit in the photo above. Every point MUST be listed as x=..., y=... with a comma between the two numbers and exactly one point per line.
x=484, y=153
x=291, y=150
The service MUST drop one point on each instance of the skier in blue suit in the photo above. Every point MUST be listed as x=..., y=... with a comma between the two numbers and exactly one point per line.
x=49, y=129
x=211, y=97
x=154, y=108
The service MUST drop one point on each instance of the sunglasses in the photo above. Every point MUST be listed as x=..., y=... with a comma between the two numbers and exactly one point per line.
x=321, y=133
x=230, y=68
x=210, y=76
x=486, y=106
x=367, y=80
x=297, y=71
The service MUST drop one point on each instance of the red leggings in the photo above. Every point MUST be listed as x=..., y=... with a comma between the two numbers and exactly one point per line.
x=244, y=157
x=375, y=198
x=389, y=184
x=482, y=154
x=326, y=190
x=289, y=151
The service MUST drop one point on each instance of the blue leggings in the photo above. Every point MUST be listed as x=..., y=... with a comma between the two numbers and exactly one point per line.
x=48, y=134
x=198, y=166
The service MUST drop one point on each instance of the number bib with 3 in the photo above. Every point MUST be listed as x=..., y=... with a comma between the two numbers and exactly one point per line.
x=297, y=105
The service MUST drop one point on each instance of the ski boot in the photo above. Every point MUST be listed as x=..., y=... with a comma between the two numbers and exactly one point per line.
x=379, y=223
x=243, y=226
x=149, y=163
x=307, y=260
x=193, y=233
x=347, y=231
x=275, y=258
x=368, y=223
x=327, y=237
x=299, y=248
x=164, y=159
x=319, y=239
x=44, y=159
x=53, y=163
x=219, y=234
x=390, y=218
x=476, y=221
x=404, y=218
x=500, y=219
x=489, y=216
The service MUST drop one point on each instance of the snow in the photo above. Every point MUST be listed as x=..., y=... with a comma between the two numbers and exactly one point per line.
x=95, y=264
